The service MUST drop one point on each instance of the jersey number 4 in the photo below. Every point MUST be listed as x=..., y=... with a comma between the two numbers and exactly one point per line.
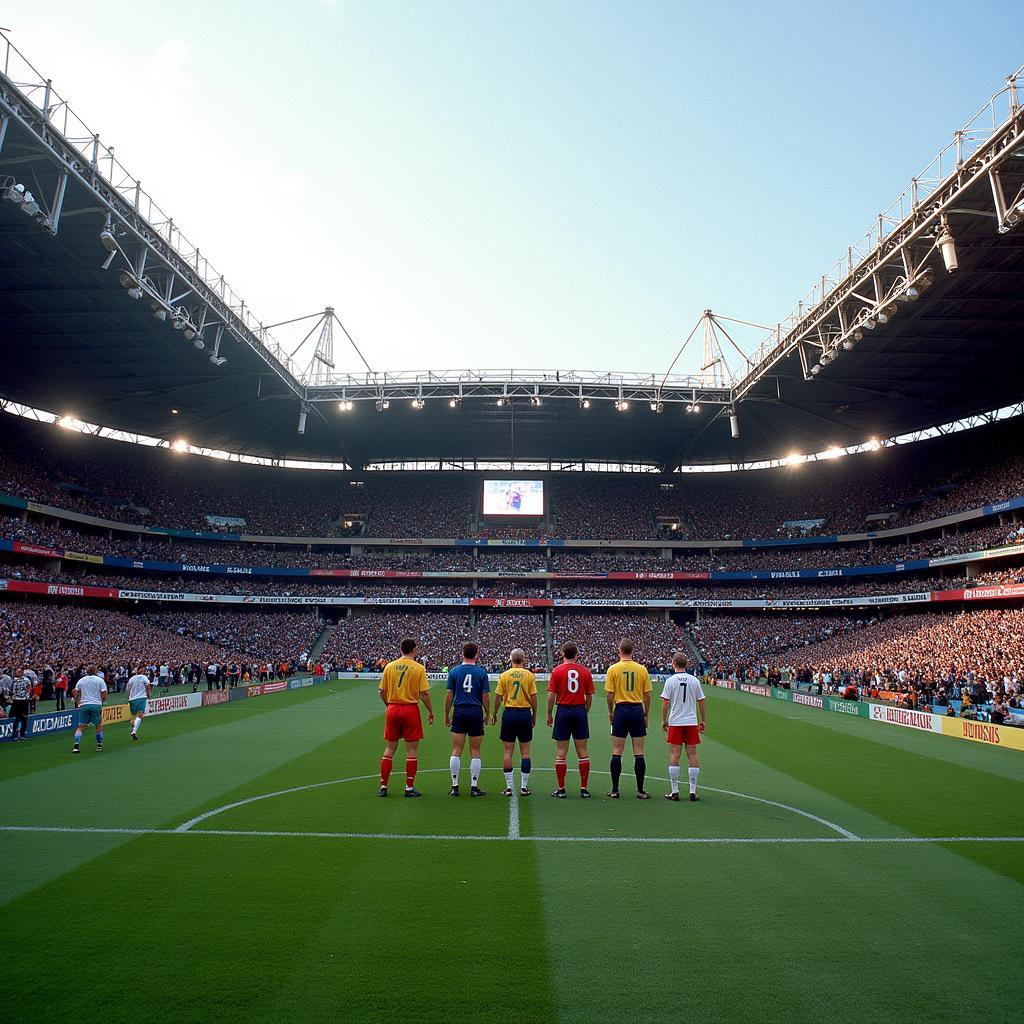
x=467, y=684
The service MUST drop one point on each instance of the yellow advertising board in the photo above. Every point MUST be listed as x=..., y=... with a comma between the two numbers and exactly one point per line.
x=81, y=556
x=984, y=732
x=115, y=713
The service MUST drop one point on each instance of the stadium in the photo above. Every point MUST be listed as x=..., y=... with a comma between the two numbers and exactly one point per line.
x=820, y=522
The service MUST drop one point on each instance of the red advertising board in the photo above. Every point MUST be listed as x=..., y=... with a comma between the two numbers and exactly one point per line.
x=57, y=589
x=512, y=602
x=1004, y=592
x=35, y=549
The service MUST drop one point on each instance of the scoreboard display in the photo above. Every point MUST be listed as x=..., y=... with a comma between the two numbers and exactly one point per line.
x=511, y=498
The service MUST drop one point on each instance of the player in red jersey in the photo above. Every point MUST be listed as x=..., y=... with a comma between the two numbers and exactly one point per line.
x=572, y=688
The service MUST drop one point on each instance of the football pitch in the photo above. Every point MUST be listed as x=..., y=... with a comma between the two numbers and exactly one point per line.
x=237, y=865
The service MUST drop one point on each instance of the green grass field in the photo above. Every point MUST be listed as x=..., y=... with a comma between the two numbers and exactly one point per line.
x=310, y=906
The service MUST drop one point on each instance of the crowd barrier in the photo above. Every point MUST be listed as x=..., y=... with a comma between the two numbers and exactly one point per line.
x=61, y=721
x=922, y=721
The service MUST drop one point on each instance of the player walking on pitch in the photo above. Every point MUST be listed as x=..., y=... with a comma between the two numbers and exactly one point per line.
x=571, y=687
x=139, y=689
x=628, y=688
x=517, y=687
x=682, y=700
x=469, y=693
x=90, y=692
x=402, y=686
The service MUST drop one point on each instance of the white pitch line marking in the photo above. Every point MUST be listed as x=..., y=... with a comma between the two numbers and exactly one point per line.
x=441, y=837
x=513, y=813
x=188, y=825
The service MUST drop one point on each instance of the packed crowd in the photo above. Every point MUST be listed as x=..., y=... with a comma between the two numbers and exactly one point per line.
x=367, y=641
x=597, y=636
x=498, y=633
x=37, y=635
x=731, y=640
x=49, y=534
x=907, y=483
x=931, y=659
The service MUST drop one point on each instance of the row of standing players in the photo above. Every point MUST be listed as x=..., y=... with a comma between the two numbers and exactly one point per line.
x=467, y=707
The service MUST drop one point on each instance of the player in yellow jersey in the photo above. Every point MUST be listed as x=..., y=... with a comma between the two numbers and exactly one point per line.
x=402, y=686
x=628, y=689
x=517, y=687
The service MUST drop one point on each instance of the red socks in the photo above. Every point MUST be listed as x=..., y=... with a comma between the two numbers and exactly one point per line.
x=584, y=772
x=411, y=764
x=560, y=773
x=385, y=770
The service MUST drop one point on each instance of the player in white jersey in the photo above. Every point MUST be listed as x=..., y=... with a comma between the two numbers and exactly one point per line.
x=139, y=689
x=90, y=692
x=682, y=702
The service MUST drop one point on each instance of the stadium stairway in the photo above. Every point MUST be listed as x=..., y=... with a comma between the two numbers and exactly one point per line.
x=321, y=641
x=698, y=658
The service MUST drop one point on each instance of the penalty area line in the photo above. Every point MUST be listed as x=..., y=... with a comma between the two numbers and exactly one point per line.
x=441, y=837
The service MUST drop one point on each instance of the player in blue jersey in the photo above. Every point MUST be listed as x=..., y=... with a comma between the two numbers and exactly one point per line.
x=466, y=706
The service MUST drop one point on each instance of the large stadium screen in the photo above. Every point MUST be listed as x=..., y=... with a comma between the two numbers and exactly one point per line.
x=514, y=498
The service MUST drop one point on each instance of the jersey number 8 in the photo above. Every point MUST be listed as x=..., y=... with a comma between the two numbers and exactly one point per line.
x=574, y=681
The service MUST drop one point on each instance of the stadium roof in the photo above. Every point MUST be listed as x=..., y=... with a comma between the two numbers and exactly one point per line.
x=861, y=360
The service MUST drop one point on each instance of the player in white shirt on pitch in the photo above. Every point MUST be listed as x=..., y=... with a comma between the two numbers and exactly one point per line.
x=90, y=692
x=139, y=689
x=682, y=700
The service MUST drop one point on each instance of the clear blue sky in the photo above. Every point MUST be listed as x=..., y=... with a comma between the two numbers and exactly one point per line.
x=523, y=184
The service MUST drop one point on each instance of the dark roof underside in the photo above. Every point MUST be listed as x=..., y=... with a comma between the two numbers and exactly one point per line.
x=72, y=341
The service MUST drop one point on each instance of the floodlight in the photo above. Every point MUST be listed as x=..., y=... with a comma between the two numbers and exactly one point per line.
x=218, y=360
x=734, y=424
x=180, y=445
x=199, y=343
x=108, y=240
x=947, y=247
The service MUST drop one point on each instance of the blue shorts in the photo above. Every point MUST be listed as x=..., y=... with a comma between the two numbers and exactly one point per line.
x=571, y=723
x=628, y=720
x=137, y=706
x=468, y=720
x=516, y=724
x=91, y=714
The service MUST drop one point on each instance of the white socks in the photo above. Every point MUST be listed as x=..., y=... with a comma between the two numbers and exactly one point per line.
x=509, y=778
x=693, y=773
x=673, y=777
x=524, y=779
x=456, y=766
x=474, y=771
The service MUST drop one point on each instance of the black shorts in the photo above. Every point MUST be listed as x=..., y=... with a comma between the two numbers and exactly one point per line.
x=628, y=720
x=468, y=720
x=516, y=724
x=571, y=723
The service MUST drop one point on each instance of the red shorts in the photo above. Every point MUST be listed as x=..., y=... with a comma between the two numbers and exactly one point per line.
x=683, y=735
x=403, y=722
